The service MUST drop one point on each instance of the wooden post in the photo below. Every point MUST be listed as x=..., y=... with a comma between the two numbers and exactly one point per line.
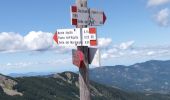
x=83, y=71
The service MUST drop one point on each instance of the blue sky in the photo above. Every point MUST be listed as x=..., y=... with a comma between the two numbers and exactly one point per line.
x=135, y=31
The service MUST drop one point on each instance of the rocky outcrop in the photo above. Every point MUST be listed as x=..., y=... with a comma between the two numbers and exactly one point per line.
x=7, y=85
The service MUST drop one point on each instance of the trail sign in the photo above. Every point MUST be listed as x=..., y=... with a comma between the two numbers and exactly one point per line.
x=94, y=57
x=97, y=17
x=72, y=37
x=68, y=37
x=79, y=15
x=86, y=16
x=89, y=36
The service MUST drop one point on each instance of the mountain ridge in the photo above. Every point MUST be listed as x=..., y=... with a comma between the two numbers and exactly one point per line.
x=64, y=86
x=150, y=76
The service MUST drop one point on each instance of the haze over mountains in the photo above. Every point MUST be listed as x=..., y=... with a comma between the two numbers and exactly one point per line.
x=30, y=74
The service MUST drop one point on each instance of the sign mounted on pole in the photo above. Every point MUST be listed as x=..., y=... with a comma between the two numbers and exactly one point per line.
x=86, y=16
x=79, y=15
x=73, y=37
x=97, y=17
x=89, y=37
x=68, y=37
x=94, y=57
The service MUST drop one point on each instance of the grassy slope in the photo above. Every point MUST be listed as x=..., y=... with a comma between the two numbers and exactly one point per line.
x=49, y=88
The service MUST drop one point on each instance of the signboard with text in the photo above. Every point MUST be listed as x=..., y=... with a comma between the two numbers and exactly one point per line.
x=97, y=17
x=86, y=16
x=79, y=15
x=68, y=37
x=73, y=37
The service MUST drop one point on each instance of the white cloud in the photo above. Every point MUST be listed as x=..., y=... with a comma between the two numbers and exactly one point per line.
x=43, y=41
x=35, y=66
x=163, y=17
x=104, y=42
x=20, y=65
x=126, y=45
x=117, y=50
x=38, y=40
x=150, y=53
x=157, y=2
x=133, y=52
x=12, y=42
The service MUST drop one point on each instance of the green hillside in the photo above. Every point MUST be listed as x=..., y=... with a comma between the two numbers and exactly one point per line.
x=64, y=86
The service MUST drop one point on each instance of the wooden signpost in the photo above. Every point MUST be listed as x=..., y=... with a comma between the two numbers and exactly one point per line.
x=84, y=71
x=82, y=37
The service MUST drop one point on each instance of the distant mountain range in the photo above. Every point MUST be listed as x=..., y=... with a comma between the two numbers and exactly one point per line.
x=150, y=76
x=30, y=74
x=63, y=86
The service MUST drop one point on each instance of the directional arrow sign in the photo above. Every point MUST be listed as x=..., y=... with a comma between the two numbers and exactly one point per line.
x=68, y=37
x=97, y=17
x=72, y=37
x=86, y=16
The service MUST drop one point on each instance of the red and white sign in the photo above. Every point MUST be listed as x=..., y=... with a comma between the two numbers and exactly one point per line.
x=97, y=17
x=94, y=57
x=73, y=37
x=86, y=16
x=68, y=37
x=79, y=15
x=89, y=37
x=78, y=58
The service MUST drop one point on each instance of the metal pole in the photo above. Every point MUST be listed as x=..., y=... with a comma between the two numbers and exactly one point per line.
x=83, y=70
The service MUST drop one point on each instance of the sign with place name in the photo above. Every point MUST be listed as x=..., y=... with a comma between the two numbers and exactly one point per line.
x=86, y=16
x=78, y=58
x=79, y=15
x=97, y=17
x=73, y=37
x=68, y=37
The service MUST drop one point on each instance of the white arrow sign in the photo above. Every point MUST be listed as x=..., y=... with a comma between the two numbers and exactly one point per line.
x=85, y=16
x=68, y=37
x=72, y=37
x=97, y=17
